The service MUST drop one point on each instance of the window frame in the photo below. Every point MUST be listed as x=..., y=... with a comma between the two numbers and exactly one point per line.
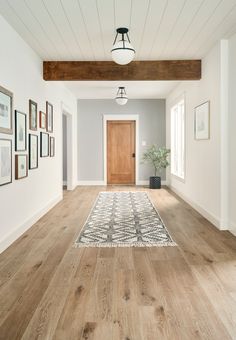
x=175, y=103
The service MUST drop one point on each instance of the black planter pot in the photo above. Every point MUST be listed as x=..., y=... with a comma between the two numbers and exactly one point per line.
x=155, y=182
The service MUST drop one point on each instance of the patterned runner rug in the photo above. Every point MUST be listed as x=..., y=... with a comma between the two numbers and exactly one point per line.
x=124, y=219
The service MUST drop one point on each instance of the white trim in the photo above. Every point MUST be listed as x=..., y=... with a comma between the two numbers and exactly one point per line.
x=69, y=133
x=90, y=183
x=232, y=228
x=209, y=216
x=107, y=117
x=224, y=148
x=15, y=234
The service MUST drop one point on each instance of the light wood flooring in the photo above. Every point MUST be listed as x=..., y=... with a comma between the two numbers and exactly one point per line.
x=51, y=290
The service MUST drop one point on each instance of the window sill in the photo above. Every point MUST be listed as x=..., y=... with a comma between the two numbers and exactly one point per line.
x=178, y=178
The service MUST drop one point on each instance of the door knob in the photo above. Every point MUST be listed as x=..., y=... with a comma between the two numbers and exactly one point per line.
x=133, y=155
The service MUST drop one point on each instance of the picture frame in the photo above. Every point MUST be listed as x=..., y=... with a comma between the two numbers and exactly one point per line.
x=20, y=131
x=49, y=112
x=44, y=144
x=42, y=120
x=6, y=111
x=33, y=115
x=202, y=121
x=52, y=146
x=5, y=161
x=21, y=166
x=33, y=151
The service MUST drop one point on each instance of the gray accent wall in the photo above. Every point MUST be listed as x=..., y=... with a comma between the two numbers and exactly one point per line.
x=152, y=129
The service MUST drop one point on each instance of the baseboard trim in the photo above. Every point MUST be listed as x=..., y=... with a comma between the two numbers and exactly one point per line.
x=15, y=234
x=232, y=228
x=103, y=182
x=91, y=183
x=210, y=217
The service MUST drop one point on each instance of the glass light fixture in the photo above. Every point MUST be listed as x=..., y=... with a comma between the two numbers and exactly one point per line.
x=122, y=51
x=121, y=97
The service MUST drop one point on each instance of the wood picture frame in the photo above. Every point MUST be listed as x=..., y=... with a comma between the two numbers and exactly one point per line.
x=6, y=111
x=52, y=146
x=20, y=131
x=49, y=112
x=44, y=144
x=5, y=161
x=33, y=115
x=202, y=121
x=21, y=166
x=33, y=151
x=42, y=120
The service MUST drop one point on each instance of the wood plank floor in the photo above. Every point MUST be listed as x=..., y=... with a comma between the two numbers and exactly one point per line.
x=51, y=290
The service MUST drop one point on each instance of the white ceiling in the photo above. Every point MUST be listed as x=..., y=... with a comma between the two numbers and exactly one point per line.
x=85, y=29
x=108, y=89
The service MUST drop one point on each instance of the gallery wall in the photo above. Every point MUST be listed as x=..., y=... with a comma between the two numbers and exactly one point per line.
x=90, y=134
x=23, y=201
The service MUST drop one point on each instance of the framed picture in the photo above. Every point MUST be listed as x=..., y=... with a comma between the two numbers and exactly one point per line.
x=20, y=131
x=44, y=144
x=52, y=146
x=5, y=161
x=6, y=109
x=42, y=120
x=33, y=115
x=49, y=111
x=202, y=121
x=21, y=169
x=33, y=151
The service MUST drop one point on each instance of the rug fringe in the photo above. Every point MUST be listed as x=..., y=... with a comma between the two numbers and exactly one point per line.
x=124, y=245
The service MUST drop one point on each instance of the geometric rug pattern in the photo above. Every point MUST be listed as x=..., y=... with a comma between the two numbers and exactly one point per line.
x=124, y=219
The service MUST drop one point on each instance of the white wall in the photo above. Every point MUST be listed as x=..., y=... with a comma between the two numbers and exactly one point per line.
x=232, y=134
x=203, y=158
x=24, y=201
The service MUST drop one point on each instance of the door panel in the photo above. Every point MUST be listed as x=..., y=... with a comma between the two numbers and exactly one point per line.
x=121, y=152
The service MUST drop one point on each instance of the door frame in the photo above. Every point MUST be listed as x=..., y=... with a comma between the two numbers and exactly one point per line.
x=107, y=117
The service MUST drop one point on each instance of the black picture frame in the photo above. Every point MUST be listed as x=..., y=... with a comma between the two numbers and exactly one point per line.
x=10, y=145
x=18, y=132
x=17, y=168
x=31, y=136
x=44, y=136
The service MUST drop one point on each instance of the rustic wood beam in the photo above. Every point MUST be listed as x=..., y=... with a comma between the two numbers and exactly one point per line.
x=136, y=70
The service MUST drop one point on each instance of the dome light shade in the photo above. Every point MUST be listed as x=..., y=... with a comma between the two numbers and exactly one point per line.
x=122, y=51
x=121, y=97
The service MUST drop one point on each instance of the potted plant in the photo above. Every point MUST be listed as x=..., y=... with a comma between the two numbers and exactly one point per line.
x=158, y=158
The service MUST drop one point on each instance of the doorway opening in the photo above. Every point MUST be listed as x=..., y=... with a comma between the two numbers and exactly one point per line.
x=67, y=160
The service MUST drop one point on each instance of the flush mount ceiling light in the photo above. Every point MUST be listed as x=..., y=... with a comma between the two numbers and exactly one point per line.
x=122, y=51
x=121, y=97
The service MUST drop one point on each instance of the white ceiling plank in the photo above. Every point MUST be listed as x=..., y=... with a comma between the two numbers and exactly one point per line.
x=139, y=17
x=172, y=12
x=155, y=15
x=205, y=12
x=59, y=18
x=73, y=12
x=218, y=17
x=105, y=10
x=91, y=20
x=16, y=22
x=184, y=21
x=123, y=13
x=44, y=19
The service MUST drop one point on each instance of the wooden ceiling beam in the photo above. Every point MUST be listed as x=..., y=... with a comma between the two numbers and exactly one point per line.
x=136, y=70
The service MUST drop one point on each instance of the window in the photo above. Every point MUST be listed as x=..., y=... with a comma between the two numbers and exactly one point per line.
x=178, y=139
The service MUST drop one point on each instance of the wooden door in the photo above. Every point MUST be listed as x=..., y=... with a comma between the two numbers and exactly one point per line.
x=121, y=152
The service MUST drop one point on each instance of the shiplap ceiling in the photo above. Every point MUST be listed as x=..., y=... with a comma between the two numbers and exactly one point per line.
x=85, y=29
x=108, y=89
